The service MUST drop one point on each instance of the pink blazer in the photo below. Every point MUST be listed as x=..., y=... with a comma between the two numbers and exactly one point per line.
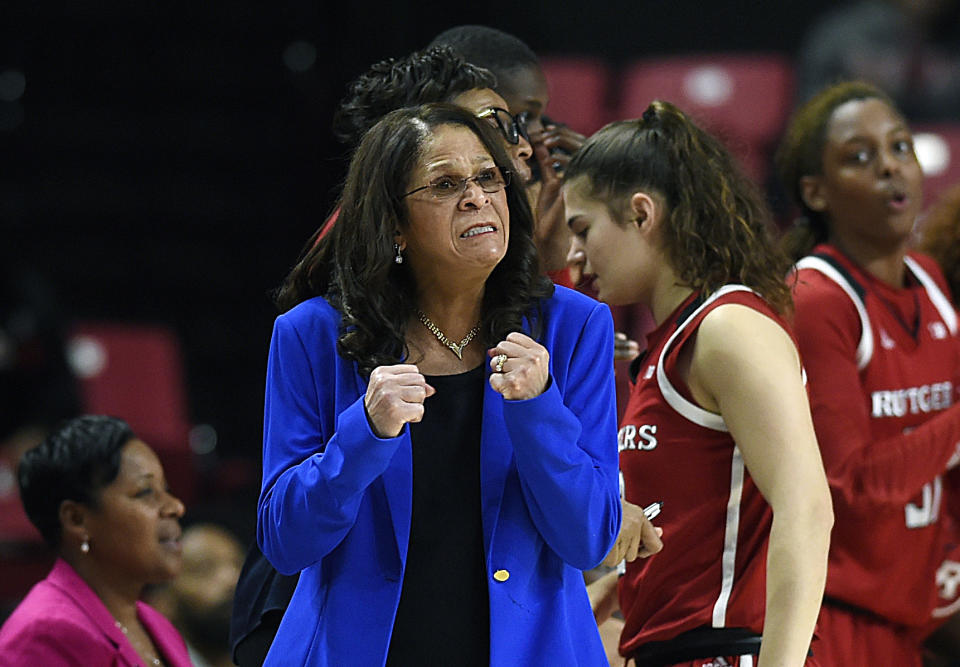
x=62, y=622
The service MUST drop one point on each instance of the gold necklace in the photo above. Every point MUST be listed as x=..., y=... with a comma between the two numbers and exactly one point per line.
x=456, y=348
x=152, y=657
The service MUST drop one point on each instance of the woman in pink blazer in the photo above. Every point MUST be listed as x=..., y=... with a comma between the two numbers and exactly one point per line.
x=98, y=496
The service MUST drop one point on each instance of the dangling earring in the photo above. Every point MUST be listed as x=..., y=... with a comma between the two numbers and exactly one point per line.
x=85, y=545
x=399, y=258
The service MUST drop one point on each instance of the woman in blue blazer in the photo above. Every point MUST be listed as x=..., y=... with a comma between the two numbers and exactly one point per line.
x=440, y=454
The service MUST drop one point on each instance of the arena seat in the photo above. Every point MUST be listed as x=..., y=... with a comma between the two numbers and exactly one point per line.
x=579, y=90
x=744, y=99
x=938, y=149
x=136, y=372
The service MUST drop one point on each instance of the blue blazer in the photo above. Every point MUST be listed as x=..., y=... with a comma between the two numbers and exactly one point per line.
x=336, y=500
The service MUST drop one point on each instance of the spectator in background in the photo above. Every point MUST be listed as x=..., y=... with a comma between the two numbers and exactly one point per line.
x=98, y=496
x=880, y=344
x=908, y=48
x=200, y=600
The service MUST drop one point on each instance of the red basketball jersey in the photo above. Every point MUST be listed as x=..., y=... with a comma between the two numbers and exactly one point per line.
x=880, y=363
x=712, y=570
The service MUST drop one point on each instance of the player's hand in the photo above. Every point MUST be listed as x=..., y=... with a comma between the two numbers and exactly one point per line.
x=624, y=349
x=546, y=196
x=638, y=537
x=521, y=367
x=562, y=142
x=395, y=396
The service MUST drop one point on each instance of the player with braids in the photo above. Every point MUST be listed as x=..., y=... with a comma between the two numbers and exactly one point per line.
x=717, y=426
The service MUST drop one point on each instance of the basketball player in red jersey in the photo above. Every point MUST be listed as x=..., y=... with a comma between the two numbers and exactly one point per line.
x=718, y=426
x=879, y=342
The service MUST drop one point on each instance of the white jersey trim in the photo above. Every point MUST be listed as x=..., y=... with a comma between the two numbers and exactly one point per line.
x=674, y=399
x=939, y=299
x=728, y=560
x=865, y=347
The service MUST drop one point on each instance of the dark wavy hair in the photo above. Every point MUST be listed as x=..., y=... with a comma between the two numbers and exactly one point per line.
x=74, y=462
x=353, y=265
x=436, y=74
x=801, y=154
x=718, y=229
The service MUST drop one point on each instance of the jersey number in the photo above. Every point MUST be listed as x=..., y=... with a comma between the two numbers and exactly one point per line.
x=918, y=517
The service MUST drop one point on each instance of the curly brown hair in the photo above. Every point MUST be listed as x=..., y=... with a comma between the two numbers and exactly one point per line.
x=718, y=229
x=940, y=236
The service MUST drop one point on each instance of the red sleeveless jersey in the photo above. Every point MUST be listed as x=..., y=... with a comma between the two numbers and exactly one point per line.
x=883, y=368
x=712, y=570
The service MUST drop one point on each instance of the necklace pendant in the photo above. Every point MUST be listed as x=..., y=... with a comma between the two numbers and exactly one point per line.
x=457, y=350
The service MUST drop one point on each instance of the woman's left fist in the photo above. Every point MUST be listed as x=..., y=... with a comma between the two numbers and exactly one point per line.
x=521, y=367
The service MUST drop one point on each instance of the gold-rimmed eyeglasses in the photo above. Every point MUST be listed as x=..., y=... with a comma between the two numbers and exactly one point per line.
x=490, y=180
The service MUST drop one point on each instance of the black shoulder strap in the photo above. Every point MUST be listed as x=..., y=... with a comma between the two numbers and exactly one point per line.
x=688, y=311
x=857, y=287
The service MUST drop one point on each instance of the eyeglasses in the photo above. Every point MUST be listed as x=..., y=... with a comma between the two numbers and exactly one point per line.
x=512, y=127
x=490, y=180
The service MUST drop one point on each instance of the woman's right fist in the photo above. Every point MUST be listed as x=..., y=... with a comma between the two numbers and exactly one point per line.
x=395, y=396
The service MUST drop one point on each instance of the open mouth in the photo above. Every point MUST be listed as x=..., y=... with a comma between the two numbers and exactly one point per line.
x=898, y=200
x=170, y=540
x=477, y=231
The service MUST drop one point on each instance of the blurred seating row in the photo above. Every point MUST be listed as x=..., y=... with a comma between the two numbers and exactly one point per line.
x=744, y=98
x=136, y=372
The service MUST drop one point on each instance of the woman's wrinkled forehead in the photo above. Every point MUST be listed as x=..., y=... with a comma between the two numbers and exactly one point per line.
x=452, y=144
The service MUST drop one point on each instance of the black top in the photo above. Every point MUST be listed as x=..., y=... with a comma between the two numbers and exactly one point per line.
x=444, y=613
x=261, y=597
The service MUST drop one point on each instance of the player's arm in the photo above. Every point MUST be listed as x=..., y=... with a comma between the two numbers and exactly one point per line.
x=748, y=365
x=883, y=472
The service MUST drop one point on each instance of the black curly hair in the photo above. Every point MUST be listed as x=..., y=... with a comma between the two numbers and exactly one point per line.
x=435, y=74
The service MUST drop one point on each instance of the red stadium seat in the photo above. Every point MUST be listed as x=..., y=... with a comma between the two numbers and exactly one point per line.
x=136, y=373
x=742, y=98
x=579, y=91
x=938, y=149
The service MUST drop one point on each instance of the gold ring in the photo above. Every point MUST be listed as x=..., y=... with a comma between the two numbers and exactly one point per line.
x=498, y=362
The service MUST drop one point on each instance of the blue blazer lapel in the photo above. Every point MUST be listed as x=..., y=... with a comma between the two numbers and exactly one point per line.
x=496, y=456
x=397, y=490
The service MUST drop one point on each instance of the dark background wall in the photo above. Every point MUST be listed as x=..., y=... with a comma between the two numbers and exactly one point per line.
x=165, y=161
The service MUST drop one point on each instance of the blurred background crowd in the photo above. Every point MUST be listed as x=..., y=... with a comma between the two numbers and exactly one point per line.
x=164, y=163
